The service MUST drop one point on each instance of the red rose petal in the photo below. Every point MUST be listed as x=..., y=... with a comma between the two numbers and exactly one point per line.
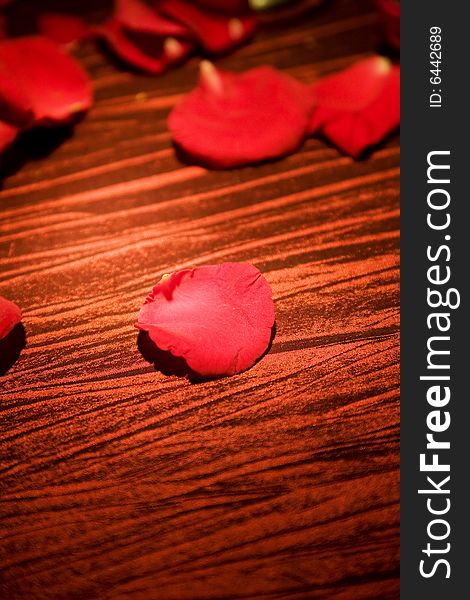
x=215, y=32
x=218, y=317
x=55, y=84
x=234, y=119
x=349, y=90
x=63, y=29
x=145, y=39
x=359, y=106
x=161, y=53
x=10, y=315
x=353, y=133
x=15, y=105
x=137, y=16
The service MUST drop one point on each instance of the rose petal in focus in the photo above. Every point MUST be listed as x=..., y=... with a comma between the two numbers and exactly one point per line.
x=63, y=29
x=359, y=106
x=215, y=32
x=55, y=84
x=219, y=318
x=233, y=119
x=10, y=315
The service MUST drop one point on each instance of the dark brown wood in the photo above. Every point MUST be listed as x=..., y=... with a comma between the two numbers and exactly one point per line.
x=120, y=482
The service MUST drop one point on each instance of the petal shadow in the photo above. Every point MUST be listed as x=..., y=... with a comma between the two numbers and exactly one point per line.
x=163, y=361
x=32, y=145
x=11, y=347
x=168, y=364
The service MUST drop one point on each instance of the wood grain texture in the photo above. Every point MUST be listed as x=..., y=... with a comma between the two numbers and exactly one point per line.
x=120, y=482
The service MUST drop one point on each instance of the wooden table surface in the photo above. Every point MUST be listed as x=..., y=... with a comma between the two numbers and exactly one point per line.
x=118, y=481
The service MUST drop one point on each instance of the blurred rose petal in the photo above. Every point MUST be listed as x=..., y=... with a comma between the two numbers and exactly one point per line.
x=215, y=32
x=54, y=83
x=232, y=119
x=359, y=106
x=145, y=39
x=137, y=16
x=63, y=29
x=15, y=104
x=160, y=53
